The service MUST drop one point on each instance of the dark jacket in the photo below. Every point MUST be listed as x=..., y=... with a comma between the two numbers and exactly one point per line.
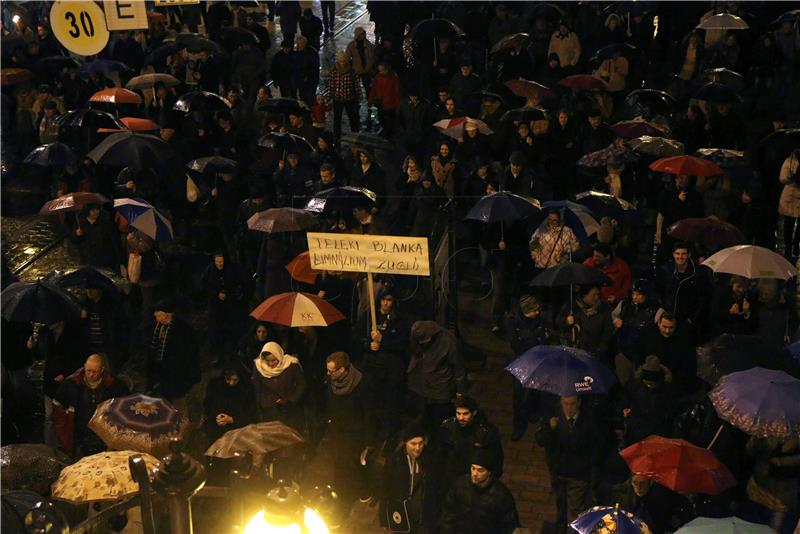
x=635, y=319
x=237, y=401
x=290, y=386
x=100, y=244
x=596, y=330
x=685, y=294
x=526, y=333
x=572, y=453
x=351, y=418
x=675, y=352
x=373, y=179
x=176, y=367
x=458, y=444
x=436, y=371
x=422, y=493
x=62, y=356
x=489, y=510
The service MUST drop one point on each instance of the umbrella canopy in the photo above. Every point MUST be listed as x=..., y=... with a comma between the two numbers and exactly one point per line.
x=723, y=525
x=678, y=465
x=297, y=309
x=130, y=149
x=790, y=16
x=281, y=105
x=100, y=477
x=257, y=438
x=196, y=43
x=116, y=95
x=369, y=141
x=139, y=423
x=455, y=127
x=510, y=42
x=341, y=200
x=713, y=233
x=761, y=402
x=637, y=128
x=651, y=102
x=570, y=273
x=656, y=146
x=546, y=11
x=503, y=207
x=751, y=261
x=523, y=115
x=91, y=119
x=723, y=157
x=161, y=53
x=603, y=204
x=14, y=76
x=718, y=93
x=52, y=155
x=723, y=21
x=286, y=143
x=146, y=81
x=583, y=82
x=606, y=52
x=212, y=165
x=31, y=466
x=135, y=124
x=608, y=519
x=145, y=218
x=72, y=202
x=724, y=76
x=610, y=154
x=37, y=302
x=730, y=353
x=277, y=220
x=561, y=370
x=686, y=165
x=102, y=67
x=425, y=31
x=530, y=89
x=575, y=216
x=87, y=276
x=201, y=101
x=300, y=269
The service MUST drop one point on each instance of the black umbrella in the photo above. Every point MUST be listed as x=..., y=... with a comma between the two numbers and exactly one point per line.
x=340, y=199
x=102, y=67
x=603, y=204
x=37, y=302
x=369, y=141
x=547, y=11
x=719, y=93
x=504, y=207
x=91, y=119
x=606, y=52
x=427, y=30
x=523, y=115
x=51, y=155
x=724, y=76
x=286, y=143
x=196, y=43
x=86, y=276
x=783, y=141
x=212, y=165
x=160, y=54
x=129, y=149
x=566, y=274
x=723, y=157
x=790, y=16
x=31, y=466
x=57, y=63
x=280, y=105
x=235, y=36
x=650, y=102
x=15, y=507
x=201, y=101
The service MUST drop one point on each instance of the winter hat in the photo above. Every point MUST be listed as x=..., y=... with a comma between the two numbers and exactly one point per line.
x=414, y=429
x=652, y=369
x=517, y=158
x=485, y=459
x=528, y=303
x=166, y=305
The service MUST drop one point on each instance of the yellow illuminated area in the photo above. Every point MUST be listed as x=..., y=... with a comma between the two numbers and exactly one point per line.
x=260, y=524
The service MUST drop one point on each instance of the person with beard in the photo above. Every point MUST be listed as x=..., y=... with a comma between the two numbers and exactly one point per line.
x=223, y=284
x=229, y=403
x=478, y=502
x=280, y=387
x=74, y=404
x=461, y=434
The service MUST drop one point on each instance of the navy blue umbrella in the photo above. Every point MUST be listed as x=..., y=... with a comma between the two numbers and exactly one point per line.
x=503, y=207
x=37, y=302
x=102, y=66
x=561, y=370
x=575, y=216
x=606, y=52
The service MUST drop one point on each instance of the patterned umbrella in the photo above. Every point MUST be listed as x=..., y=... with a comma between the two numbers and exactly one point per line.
x=297, y=309
x=258, y=438
x=100, y=477
x=686, y=165
x=607, y=520
x=723, y=525
x=530, y=89
x=751, y=261
x=31, y=466
x=713, y=233
x=144, y=218
x=116, y=95
x=51, y=155
x=562, y=371
x=723, y=157
x=656, y=146
x=455, y=127
x=277, y=220
x=71, y=202
x=503, y=207
x=678, y=465
x=139, y=423
x=761, y=402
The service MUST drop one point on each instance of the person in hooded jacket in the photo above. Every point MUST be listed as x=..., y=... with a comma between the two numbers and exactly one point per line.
x=467, y=430
x=424, y=207
x=647, y=403
x=280, y=386
x=229, y=403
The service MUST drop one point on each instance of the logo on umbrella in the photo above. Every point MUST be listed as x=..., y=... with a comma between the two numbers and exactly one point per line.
x=144, y=408
x=585, y=385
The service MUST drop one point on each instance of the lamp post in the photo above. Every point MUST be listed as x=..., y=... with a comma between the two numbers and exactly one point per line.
x=286, y=513
x=179, y=478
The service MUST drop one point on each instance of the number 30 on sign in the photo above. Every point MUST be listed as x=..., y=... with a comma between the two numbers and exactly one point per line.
x=79, y=26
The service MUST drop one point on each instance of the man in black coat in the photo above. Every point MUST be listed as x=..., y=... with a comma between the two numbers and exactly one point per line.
x=572, y=443
x=685, y=289
x=281, y=70
x=98, y=240
x=105, y=324
x=224, y=285
x=461, y=434
x=172, y=363
x=305, y=67
x=311, y=28
x=672, y=343
x=595, y=134
x=479, y=503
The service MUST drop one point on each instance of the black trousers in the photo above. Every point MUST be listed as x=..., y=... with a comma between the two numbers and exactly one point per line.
x=328, y=14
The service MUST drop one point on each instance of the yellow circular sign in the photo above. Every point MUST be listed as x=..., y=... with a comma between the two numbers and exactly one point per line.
x=79, y=26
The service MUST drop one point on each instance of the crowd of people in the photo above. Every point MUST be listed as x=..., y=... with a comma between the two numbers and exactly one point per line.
x=448, y=104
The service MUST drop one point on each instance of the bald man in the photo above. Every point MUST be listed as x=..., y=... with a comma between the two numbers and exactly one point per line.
x=75, y=402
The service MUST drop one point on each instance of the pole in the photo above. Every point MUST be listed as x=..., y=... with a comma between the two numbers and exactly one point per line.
x=372, y=314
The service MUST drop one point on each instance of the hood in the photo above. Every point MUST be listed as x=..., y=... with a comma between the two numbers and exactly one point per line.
x=424, y=330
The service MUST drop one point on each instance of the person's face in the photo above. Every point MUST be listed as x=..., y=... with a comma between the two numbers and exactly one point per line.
x=681, y=182
x=599, y=258
x=563, y=29
x=93, y=370
x=464, y=416
x=166, y=133
x=382, y=69
x=444, y=151
x=233, y=96
x=360, y=213
x=478, y=474
x=41, y=31
x=292, y=160
x=523, y=130
x=641, y=485
x=562, y=119
x=49, y=113
x=594, y=122
x=553, y=63
x=516, y=168
x=483, y=171
x=681, y=256
x=466, y=70
x=766, y=292
x=261, y=333
x=592, y=297
x=738, y=289
x=43, y=97
x=612, y=24
x=570, y=406
x=387, y=302
x=666, y=327
x=326, y=176
x=731, y=40
x=553, y=220
x=363, y=158
x=637, y=297
x=232, y=380
x=271, y=360
x=163, y=317
x=262, y=94
x=225, y=124
x=300, y=44
x=443, y=96
x=336, y=373
x=450, y=106
x=94, y=294
x=411, y=166
x=294, y=120
x=322, y=144
x=472, y=133
x=219, y=262
x=533, y=314
x=94, y=213
x=414, y=99
x=415, y=446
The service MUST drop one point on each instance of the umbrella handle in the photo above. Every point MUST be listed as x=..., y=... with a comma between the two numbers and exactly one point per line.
x=714, y=440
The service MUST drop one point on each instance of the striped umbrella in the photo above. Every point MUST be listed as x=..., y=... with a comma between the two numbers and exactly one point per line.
x=258, y=438
x=144, y=218
x=297, y=309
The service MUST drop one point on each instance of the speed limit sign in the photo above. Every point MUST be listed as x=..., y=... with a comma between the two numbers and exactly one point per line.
x=79, y=26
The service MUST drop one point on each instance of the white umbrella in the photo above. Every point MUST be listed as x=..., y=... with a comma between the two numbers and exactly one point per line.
x=145, y=218
x=723, y=525
x=751, y=262
x=455, y=127
x=723, y=21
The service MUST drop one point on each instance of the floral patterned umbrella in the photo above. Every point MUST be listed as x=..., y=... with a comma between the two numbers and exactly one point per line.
x=613, y=153
x=608, y=519
x=100, y=477
x=138, y=422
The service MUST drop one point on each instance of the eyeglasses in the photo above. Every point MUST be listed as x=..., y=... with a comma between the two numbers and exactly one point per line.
x=335, y=370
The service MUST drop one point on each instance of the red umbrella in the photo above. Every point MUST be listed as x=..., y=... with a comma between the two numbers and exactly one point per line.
x=712, y=232
x=583, y=82
x=300, y=269
x=528, y=89
x=116, y=95
x=72, y=202
x=678, y=465
x=689, y=165
x=139, y=125
x=297, y=309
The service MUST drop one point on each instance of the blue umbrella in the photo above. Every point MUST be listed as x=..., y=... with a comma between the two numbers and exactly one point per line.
x=614, y=519
x=144, y=218
x=503, y=207
x=102, y=66
x=561, y=370
x=761, y=402
x=575, y=216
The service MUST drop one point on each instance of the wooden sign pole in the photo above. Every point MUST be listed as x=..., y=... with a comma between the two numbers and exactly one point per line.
x=372, y=314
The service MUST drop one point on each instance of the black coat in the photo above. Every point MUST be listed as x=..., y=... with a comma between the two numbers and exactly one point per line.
x=100, y=244
x=351, y=420
x=422, y=502
x=237, y=401
x=179, y=368
x=458, y=444
x=489, y=510
x=290, y=386
x=675, y=352
x=572, y=453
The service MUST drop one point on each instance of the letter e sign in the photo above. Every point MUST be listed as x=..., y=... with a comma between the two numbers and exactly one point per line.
x=125, y=14
x=79, y=26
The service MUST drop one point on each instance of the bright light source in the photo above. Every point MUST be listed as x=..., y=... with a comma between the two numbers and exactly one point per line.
x=15, y=19
x=655, y=26
x=29, y=251
x=260, y=524
x=314, y=522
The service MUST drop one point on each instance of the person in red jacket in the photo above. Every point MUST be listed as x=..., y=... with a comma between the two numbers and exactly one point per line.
x=385, y=95
x=615, y=268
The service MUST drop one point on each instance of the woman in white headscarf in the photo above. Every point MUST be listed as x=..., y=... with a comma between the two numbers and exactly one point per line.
x=279, y=386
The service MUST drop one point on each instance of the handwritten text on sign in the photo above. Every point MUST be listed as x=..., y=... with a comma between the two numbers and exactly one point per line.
x=369, y=253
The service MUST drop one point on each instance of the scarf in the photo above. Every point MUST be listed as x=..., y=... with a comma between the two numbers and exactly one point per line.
x=348, y=383
x=284, y=360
